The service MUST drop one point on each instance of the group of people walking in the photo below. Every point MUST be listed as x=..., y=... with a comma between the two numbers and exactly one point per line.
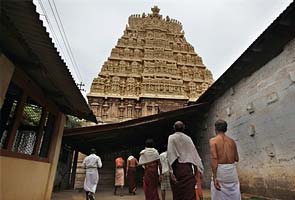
x=132, y=163
x=156, y=169
x=179, y=168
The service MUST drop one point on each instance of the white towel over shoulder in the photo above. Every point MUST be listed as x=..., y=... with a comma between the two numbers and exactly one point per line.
x=182, y=148
x=148, y=155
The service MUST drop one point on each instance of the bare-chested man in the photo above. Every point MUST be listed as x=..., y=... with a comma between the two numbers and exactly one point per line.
x=131, y=173
x=225, y=182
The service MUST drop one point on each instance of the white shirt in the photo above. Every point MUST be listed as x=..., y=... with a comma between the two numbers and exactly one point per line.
x=92, y=161
x=181, y=147
x=164, y=162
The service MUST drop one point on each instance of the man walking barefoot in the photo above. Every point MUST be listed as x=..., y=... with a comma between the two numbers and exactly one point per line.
x=131, y=173
x=150, y=161
x=185, y=163
x=225, y=182
x=119, y=176
x=91, y=163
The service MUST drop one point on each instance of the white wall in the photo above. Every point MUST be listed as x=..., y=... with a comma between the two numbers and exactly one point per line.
x=267, y=158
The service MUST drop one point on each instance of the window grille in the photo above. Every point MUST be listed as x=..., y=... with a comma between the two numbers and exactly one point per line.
x=33, y=135
x=24, y=142
x=8, y=111
x=25, y=139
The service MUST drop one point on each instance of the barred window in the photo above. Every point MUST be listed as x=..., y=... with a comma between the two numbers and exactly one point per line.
x=8, y=110
x=26, y=135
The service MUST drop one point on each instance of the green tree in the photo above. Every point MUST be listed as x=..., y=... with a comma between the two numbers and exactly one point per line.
x=72, y=122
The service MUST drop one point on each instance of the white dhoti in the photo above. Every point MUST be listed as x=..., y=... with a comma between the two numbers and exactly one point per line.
x=91, y=180
x=228, y=179
x=119, y=177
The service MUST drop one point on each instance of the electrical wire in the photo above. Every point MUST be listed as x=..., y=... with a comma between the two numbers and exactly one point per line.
x=64, y=37
x=50, y=27
x=56, y=38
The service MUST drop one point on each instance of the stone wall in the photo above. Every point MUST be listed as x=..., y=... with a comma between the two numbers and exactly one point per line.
x=80, y=173
x=152, y=60
x=260, y=111
x=112, y=110
x=107, y=172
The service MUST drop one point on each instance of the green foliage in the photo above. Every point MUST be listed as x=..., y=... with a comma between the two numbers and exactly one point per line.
x=72, y=122
x=32, y=115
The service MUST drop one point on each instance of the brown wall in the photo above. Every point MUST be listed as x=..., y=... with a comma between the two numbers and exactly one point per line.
x=23, y=179
x=112, y=110
x=28, y=179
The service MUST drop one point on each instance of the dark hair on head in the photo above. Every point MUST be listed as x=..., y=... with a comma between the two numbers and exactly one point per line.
x=179, y=126
x=221, y=126
x=149, y=143
x=92, y=150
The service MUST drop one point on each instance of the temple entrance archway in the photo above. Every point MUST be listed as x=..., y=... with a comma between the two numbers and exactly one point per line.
x=128, y=138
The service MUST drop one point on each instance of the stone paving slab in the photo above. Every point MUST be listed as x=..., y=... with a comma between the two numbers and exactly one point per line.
x=108, y=195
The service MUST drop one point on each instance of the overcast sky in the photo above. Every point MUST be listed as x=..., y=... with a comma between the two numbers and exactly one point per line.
x=219, y=30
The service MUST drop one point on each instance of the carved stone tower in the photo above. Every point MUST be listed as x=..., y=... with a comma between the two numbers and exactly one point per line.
x=151, y=69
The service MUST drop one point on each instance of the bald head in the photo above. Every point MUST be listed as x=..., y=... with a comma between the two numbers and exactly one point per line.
x=179, y=126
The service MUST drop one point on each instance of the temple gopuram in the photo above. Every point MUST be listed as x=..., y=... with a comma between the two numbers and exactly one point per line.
x=152, y=69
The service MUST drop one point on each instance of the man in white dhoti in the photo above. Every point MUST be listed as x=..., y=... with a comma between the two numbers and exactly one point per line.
x=224, y=155
x=91, y=163
x=119, y=175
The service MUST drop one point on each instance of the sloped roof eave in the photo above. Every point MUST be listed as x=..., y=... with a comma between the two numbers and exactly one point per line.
x=50, y=71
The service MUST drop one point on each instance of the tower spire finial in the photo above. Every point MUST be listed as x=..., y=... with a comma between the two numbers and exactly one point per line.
x=155, y=10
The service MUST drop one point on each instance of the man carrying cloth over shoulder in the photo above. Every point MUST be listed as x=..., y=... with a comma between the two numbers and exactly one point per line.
x=185, y=163
x=150, y=161
x=225, y=181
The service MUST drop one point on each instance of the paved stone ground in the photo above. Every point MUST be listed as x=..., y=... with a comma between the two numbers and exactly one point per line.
x=108, y=195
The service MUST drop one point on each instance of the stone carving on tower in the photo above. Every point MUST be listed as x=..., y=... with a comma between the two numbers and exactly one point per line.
x=151, y=69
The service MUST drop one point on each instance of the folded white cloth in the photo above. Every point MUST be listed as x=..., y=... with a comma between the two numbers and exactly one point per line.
x=227, y=173
x=164, y=162
x=148, y=155
x=228, y=179
x=181, y=147
x=130, y=157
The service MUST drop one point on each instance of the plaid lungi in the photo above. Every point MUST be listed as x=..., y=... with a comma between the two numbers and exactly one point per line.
x=165, y=183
